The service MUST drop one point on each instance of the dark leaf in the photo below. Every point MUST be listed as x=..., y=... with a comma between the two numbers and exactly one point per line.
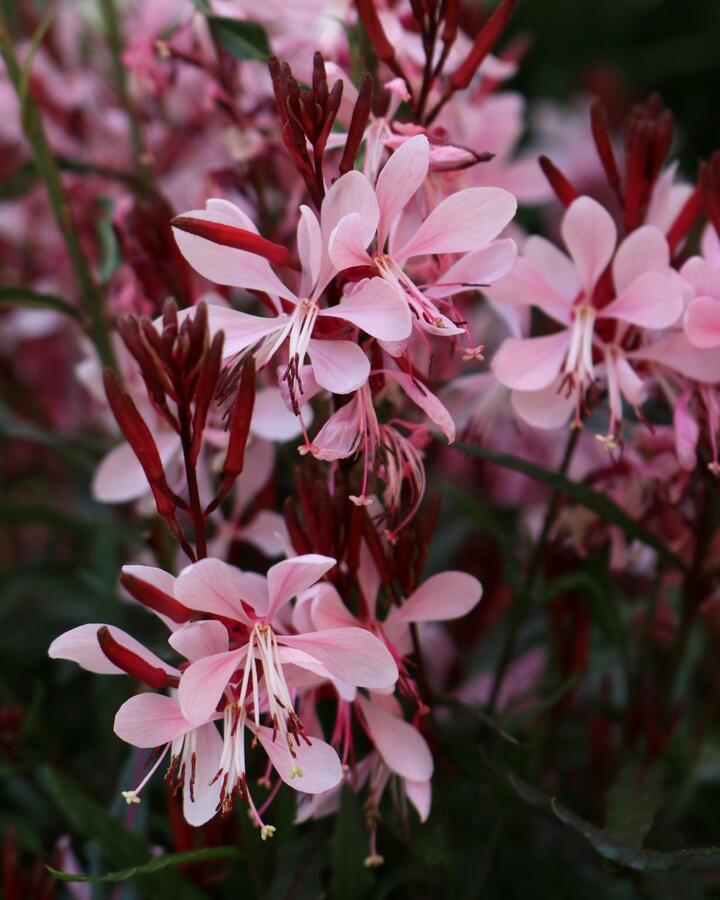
x=17, y=295
x=351, y=880
x=157, y=864
x=242, y=39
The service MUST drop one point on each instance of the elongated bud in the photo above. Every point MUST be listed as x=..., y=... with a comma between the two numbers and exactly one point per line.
x=154, y=598
x=598, y=124
x=204, y=393
x=131, y=663
x=451, y=13
x=231, y=236
x=686, y=218
x=564, y=190
x=358, y=123
x=384, y=50
x=710, y=188
x=298, y=538
x=485, y=41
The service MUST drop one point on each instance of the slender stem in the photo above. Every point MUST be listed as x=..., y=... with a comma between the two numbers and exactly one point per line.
x=115, y=44
x=91, y=296
x=196, y=510
x=521, y=605
x=429, y=39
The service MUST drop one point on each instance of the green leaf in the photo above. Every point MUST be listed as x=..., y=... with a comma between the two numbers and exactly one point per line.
x=17, y=295
x=241, y=38
x=123, y=848
x=633, y=801
x=157, y=864
x=351, y=880
x=598, y=503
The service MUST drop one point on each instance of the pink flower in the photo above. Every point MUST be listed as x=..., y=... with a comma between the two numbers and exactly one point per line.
x=702, y=317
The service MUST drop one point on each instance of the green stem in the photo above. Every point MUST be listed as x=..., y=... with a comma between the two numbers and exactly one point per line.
x=47, y=168
x=521, y=605
x=115, y=45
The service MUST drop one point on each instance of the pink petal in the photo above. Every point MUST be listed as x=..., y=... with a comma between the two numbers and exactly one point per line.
x=339, y=366
x=346, y=245
x=527, y=286
x=687, y=433
x=241, y=329
x=555, y=267
x=80, y=645
x=710, y=245
x=377, y=308
x=546, y=408
x=272, y=420
x=652, y=300
x=202, y=805
x=351, y=193
x=529, y=364
x=631, y=385
x=212, y=586
x=351, y=654
x=194, y=640
x=419, y=793
x=402, y=747
x=328, y=610
x=120, y=478
x=427, y=401
x=319, y=763
x=267, y=532
x=676, y=352
x=702, y=322
x=340, y=435
x=310, y=247
x=150, y=720
x=462, y=222
x=644, y=250
x=704, y=278
x=476, y=270
x=203, y=683
x=226, y=265
x=291, y=577
x=590, y=235
x=447, y=595
x=401, y=177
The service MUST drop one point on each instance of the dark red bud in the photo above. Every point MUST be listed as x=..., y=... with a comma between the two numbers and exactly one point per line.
x=484, y=42
x=131, y=663
x=231, y=236
x=154, y=598
x=204, y=393
x=564, y=190
x=598, y=124
x=358, y=123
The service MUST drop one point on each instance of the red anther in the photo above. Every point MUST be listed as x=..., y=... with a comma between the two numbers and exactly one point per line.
x=685, y=219
x=358, y=123
x=564, y=190
x=484, y=42
x=231, y=236
x=131, y=663
x=155, y=598
x=598, y=124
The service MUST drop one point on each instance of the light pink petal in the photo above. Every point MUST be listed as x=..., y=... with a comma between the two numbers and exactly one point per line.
x=402, y=747
x=327, y=609
x=462, y=222
x=419, y=793
x=346, y=245
x=194, y=640
x=644, y=250
x=291, y=577
x=555, y=267
x=530, y=364
x=676, y=352
x=351, y=193
x=377, y=308
x=340, y=435
x=120, y=478
x=80, y=645
x=212, y=586
x=546, y=408
x=272, y=420
x=590, y=235
x=400, y=178
x=526, y=286
x=652, y=300
x=702, y=322
x=267, y=532
x=310, y=246
x=476, y=270
x=203, y=683
x=339, y=366
x=241, y=329
x=351, y=654
x=447, y=595
x=427, y=401
x=227, y=265
x=159, y=578
x=703, y=278
x=150, y=720
x=319, y=763
x=710, y=245
x=631, y=385
x=200, y=804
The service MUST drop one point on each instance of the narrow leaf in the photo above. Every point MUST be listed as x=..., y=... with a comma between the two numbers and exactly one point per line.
x=168, y=860
x=241, y=38
x=17, y=295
